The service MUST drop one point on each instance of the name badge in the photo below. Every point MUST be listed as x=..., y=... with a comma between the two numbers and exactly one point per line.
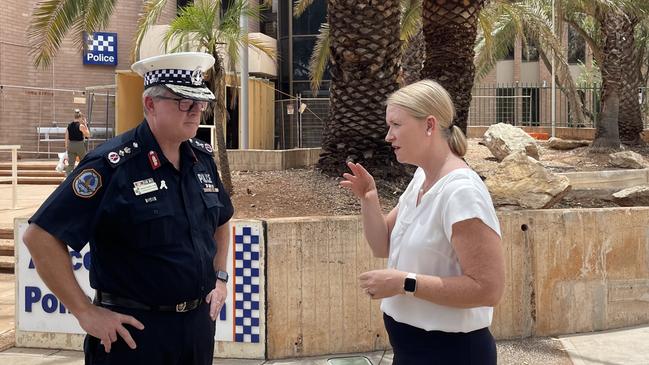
x=144, y=186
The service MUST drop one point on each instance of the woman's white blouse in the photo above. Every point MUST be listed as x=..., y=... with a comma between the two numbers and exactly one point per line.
x=420, y=242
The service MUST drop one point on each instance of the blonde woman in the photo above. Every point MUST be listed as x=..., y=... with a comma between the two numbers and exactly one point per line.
x=75, y=135
x=445, y=262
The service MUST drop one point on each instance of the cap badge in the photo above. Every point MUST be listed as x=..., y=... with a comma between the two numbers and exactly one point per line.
x=197, y=77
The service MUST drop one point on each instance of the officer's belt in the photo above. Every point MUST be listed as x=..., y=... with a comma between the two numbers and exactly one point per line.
x=117, y=301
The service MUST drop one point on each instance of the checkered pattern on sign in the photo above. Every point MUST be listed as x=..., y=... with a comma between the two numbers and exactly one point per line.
x=168, y=76
x=246, y=281
x=102, y=44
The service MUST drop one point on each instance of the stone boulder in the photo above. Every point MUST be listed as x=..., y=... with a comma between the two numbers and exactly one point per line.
x=502, y=139
x=630, y=197
x=522, y=181
x=628, y=160
x=565, y=144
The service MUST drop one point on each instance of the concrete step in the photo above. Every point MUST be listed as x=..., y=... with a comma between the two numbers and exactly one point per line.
x=6, y=233
x=48, y=165
x=6, y=247
x=32, y=173
x=7, y=264
x=37, y=180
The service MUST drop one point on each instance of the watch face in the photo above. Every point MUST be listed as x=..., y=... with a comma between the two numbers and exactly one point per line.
x=410, y=285
x=222, y=275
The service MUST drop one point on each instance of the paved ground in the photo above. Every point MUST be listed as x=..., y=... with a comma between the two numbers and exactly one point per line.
x=30, y=197
x=627, y=346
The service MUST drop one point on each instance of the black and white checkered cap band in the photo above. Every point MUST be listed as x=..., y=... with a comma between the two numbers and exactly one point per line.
x=172, y=76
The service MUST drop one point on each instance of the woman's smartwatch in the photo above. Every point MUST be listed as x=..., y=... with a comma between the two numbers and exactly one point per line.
x=410, y=284
x=222, y=275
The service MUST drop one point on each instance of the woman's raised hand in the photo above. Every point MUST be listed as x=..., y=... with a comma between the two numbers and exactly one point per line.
x=360, y=182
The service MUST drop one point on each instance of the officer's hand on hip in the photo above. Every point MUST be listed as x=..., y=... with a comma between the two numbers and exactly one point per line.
x=105, y=325
x=216, y=298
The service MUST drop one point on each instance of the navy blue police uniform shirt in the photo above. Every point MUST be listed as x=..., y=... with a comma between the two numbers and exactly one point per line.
x=150, y=227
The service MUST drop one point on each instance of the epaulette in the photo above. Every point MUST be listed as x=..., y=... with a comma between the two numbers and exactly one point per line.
x=122, y=153
x=201, y=146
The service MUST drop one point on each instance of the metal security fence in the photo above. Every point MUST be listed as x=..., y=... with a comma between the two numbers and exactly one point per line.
x=531, y=105
x=300, y=122
x=517, y=104
x=522, y=104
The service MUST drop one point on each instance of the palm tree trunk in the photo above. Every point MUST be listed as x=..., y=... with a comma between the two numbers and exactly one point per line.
x=413, y=58
x=218, y=87
x=630, y=118
x=450, y=30
x=613, y=24
x=365, y=63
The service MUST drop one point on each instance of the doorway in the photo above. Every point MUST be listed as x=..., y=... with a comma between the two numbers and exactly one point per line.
x=231, y=119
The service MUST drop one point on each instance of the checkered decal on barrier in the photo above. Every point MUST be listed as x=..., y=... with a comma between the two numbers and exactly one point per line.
x=246, y=281
x=102, y=43
x=169, y=76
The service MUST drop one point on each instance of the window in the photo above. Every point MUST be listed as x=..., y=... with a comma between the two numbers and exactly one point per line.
x=302, y=51
x=309, y=22
x=576, y=47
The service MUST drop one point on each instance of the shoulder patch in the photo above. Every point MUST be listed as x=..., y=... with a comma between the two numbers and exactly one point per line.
x=122, y=153
x=201, y=146
x=87, y=183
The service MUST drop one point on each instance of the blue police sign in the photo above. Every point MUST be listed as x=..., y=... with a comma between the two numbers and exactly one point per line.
x=101, y=49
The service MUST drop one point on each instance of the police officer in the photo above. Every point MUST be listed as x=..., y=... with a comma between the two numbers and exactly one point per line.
x=152, y=207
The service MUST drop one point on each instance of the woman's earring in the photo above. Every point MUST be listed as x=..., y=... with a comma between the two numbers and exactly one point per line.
x=428, y=133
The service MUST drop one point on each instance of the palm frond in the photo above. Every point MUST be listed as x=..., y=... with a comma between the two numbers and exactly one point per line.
x=499, y=26
x=319, y=58
x=264, y=47
x=410, y=20
x=300, y=7
x=50, y=22
x=152, y=11
x=95, y=14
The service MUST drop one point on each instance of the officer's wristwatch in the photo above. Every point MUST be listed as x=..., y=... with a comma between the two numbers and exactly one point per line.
x=222, y=275
x=410, y=283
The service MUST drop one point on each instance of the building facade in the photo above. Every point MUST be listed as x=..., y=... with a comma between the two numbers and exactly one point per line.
x=32, y=98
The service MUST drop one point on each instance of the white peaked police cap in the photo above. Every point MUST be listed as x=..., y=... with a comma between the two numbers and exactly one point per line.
x=181, y=73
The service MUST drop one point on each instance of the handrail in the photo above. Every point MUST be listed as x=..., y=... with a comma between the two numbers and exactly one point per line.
x=14, y=172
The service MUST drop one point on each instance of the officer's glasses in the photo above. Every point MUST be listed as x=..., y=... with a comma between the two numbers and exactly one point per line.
x=185, y=105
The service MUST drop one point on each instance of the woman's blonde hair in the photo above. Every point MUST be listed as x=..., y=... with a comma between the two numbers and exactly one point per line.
x=427, y=97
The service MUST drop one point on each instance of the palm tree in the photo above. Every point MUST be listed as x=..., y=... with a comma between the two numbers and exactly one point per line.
x=52, y=20
x=609, y=30
x=502, y=22
x=363, y=49
x=364, y=60
x=607, y=27
x=202, y=26
x=450, y=30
